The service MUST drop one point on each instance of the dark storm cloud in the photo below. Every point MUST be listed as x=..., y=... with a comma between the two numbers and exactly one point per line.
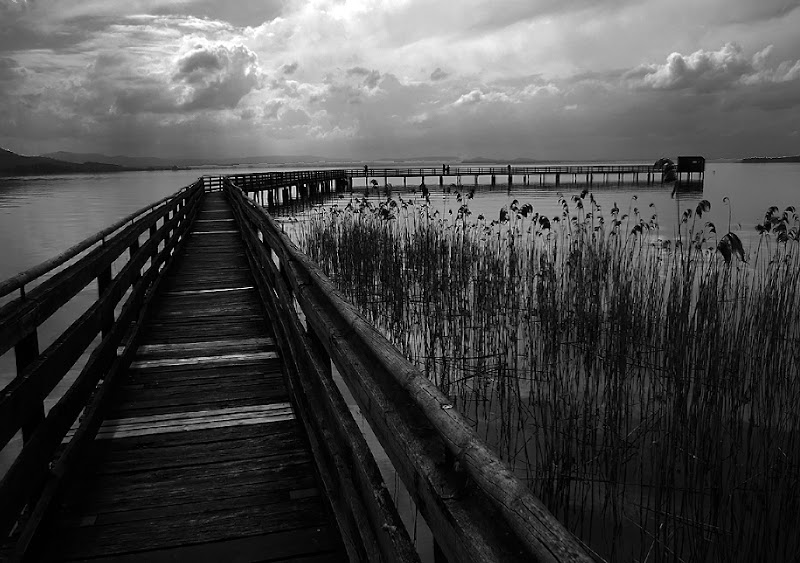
x=290, y=68
x=439, y=74
x=218, y=76
x=194, y=65
x=371, y=77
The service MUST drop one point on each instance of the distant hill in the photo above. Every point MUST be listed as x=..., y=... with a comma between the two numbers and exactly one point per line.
x=419, y=159
x=13, y=164
x=141, y=162
x=483, y=160
x=772, y=159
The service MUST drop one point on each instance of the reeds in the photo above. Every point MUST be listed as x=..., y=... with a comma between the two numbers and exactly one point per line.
x=647, y=390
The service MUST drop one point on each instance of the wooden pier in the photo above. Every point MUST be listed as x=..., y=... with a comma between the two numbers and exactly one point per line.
x=275, y=189
x=206, y=425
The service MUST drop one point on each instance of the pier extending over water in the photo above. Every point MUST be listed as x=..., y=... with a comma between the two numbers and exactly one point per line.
x=273, y=189
x=205, y=422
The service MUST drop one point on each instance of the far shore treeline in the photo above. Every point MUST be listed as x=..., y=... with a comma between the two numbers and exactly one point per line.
x=63, y=162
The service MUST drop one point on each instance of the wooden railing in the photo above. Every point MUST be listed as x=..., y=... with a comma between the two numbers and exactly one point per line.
x=261, y=181
x=38, y=471
x=475, y=507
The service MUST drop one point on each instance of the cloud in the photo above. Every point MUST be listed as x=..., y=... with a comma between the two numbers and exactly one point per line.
x=10, y=69
x=439, y=74
x=216, y=76
x=371, y=77
x=470, y=99
x=271, y=109
x=709, y=71
x=354, y=77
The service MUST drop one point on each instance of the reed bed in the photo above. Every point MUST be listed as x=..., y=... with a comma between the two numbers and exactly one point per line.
x=646, y=388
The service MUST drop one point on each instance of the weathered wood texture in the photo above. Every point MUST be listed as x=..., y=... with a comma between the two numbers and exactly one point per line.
x=200, y=456
x=35, y=474
x=368, y=520
x=474, y=505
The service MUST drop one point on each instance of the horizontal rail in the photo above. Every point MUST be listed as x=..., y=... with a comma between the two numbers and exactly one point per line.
x=475, y=506
x=22, y=279
x=39, y=466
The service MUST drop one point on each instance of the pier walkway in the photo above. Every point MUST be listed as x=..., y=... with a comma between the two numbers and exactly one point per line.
x=205, y=423
x=200, y=456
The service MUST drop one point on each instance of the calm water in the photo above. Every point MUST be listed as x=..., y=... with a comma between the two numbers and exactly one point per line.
x=40, y=217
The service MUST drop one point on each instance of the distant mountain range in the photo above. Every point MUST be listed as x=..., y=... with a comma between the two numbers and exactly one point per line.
x=146, y=162
x=483, y=160
x=13, y=164
x=62, y=162
x=795, y=158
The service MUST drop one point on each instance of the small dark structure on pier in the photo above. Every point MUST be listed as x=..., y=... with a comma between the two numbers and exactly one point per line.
x=689, y=165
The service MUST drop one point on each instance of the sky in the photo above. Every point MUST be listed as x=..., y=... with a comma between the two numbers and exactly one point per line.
x=366, y=79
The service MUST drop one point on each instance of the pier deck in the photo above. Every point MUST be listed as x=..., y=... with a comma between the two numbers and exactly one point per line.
x=200, y=456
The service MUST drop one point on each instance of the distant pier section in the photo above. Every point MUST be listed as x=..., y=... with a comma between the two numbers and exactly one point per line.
x=272, y=189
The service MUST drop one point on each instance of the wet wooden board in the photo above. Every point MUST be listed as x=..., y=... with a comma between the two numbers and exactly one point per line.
x=200, y=456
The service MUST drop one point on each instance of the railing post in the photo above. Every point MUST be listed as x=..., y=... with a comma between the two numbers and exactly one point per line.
x=103, y=281
x=132, y=252
x=25, y=352
x=318, y=349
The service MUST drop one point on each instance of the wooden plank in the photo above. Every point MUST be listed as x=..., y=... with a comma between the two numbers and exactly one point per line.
x=110, y=427
x=192, y=425
x=147, y=349
x=302, y=545
x=283, y=432
x=189, y=529
x=196, y=361
x=204, y=291
x=132, y=455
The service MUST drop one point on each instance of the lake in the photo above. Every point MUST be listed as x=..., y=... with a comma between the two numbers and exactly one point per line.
x=42, y=216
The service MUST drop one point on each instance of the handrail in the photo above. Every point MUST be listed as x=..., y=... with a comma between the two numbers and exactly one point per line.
x=20, y=280
x=37, y=471
x=476, y=507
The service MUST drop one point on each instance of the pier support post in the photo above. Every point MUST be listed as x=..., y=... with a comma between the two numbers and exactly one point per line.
x=558, y=179
x=25, y=353
x=441, y=180
x=103, y=281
